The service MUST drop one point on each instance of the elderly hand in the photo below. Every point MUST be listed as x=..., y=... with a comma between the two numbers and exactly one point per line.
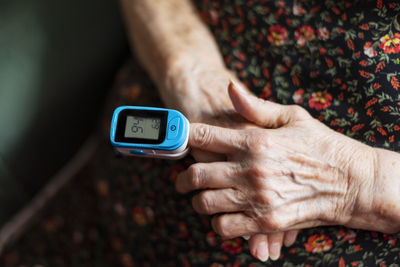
x=203, y=98
x=295, y=173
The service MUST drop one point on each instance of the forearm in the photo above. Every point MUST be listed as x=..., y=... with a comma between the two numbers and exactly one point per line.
x=167, y=36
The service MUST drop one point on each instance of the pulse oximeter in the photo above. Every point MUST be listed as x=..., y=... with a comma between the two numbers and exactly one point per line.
x=149, y=132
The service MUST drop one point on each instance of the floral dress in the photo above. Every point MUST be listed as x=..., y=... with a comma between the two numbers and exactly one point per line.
x=338, y=59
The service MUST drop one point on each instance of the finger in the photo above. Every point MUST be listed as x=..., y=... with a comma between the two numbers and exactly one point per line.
x=217, y=201
x=307, y=224
x=274, y=245
x=205, y=156
x=290, y=237
x=234, y=225
x=207, y=175
x=215, y=139
x=258, y=245
x=261, y=112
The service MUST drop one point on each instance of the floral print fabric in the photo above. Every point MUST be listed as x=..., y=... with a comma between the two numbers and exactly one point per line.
x=338, y=59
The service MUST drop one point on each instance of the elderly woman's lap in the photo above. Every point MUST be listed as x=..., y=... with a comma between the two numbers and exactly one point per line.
x=163, y=226
x=126, y=212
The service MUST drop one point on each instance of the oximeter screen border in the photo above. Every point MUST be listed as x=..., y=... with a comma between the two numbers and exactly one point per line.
x=121, y=124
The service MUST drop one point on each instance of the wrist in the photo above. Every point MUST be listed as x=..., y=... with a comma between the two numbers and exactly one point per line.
x=190, y=65
x=362, y=177
x=195, y=85
x=356, y=163
x=386, y=191
x=376, y=205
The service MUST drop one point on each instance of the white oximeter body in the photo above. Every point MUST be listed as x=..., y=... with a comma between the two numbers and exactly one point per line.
x=149, y=132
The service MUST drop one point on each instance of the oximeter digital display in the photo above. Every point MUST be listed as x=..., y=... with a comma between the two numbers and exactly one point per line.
x=149, y=132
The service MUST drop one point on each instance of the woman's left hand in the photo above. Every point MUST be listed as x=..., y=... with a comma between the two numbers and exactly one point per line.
x=295, y=173
x=203, y=98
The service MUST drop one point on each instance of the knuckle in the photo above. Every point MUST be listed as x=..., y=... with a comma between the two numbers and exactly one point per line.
x=297, y=112
x=220, y=226
x=196, y=174
x=274, y=222
x=202, y=136
x=256, y=142
x=264, y=198
x=255, y=172
x=205, y=203
x=239, y=197
x=257, y=178
x=243, y=142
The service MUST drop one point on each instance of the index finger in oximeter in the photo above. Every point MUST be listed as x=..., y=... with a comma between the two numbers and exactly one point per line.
x=149, y=132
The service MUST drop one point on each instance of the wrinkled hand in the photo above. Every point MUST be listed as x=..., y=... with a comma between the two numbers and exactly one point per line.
x=295, y=173
x=203, y=98
x=201, y=95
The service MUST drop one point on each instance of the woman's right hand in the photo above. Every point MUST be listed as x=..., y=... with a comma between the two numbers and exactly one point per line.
x=295, y=173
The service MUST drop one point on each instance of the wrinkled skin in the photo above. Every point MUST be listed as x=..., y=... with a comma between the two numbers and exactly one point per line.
x=203, y=98
x=292, y=173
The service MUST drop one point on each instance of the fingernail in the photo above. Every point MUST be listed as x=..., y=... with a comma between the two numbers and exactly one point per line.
x=262, y=251
x=275, y=251
x=238, y=87
x=246, y=237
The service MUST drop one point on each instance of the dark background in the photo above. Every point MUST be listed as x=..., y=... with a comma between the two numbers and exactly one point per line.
x=57, y=61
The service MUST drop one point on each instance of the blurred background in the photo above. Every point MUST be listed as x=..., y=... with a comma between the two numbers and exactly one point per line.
x=57, y=60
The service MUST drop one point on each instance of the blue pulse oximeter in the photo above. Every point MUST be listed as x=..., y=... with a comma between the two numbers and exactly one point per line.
x=150, y=132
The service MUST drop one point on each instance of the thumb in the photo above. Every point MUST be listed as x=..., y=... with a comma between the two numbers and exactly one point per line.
x=261, y=112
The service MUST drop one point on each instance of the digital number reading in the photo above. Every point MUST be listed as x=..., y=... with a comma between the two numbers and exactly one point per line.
x=140, y=127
